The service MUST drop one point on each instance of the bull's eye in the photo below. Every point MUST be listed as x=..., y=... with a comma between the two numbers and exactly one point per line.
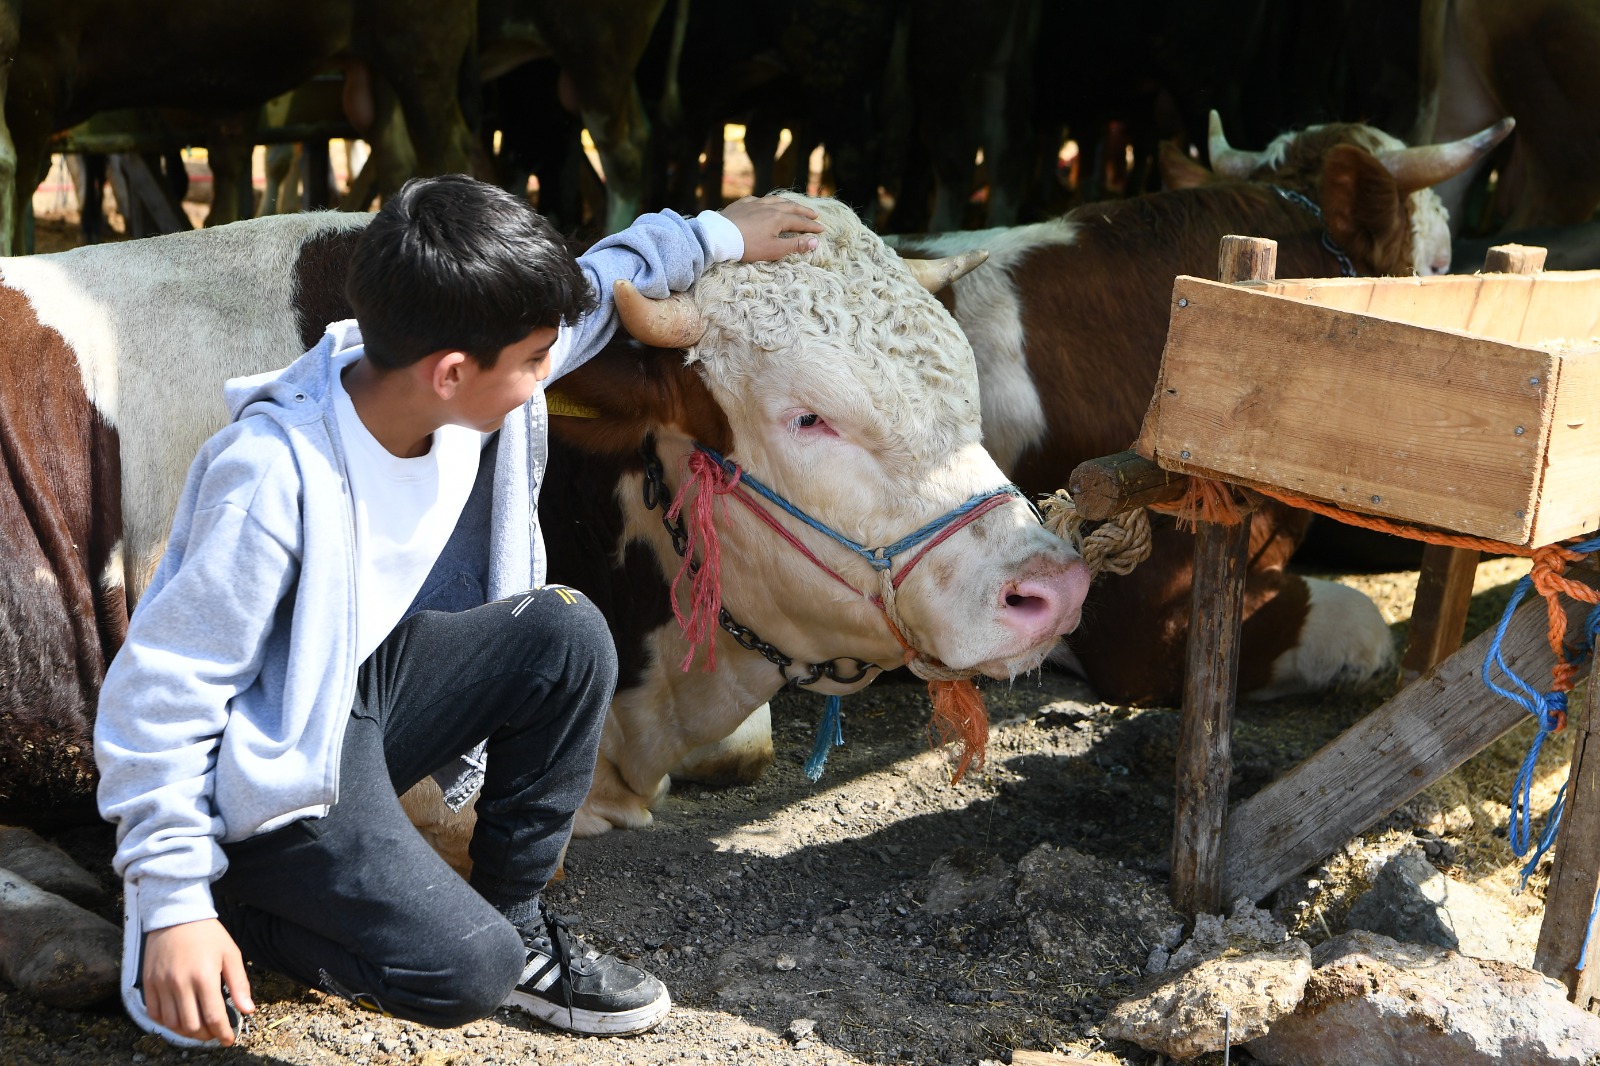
x=808, y=420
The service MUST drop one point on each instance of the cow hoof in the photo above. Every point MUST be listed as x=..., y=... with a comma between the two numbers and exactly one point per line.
x=30, y=856
x=54, y=950
x=613, y=805
x=1344, y=642
x=738, y=759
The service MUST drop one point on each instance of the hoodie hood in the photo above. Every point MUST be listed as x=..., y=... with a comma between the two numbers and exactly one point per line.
x=285, y=392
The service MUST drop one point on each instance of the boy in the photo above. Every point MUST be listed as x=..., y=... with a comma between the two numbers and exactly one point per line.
x=285, y=676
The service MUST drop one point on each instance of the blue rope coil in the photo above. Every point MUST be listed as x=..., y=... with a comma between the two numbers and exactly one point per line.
x=1549, y=709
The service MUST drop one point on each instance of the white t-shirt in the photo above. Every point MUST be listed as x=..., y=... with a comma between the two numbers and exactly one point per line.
x=405, y=511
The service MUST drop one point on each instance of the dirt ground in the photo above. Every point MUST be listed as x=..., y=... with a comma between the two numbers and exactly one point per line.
x=885, y=915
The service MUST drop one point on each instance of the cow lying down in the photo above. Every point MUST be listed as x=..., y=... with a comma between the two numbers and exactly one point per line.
x=833, y=378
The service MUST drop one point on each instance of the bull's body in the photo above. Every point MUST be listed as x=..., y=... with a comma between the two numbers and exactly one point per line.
x=140, y=337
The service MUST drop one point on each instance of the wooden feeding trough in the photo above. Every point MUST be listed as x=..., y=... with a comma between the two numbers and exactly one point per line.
x=1466, y=404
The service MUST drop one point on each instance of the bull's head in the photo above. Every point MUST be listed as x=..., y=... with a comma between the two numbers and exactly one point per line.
x=1375, y=193
x=852, y=393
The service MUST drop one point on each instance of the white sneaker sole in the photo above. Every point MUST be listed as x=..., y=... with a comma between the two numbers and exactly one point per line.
x=594, y=1023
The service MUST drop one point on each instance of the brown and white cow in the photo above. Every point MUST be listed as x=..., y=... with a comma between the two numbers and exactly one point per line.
x=1068, y=321
x=832, y=377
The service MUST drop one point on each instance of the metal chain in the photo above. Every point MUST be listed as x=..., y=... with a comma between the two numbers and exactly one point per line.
x=656, y=497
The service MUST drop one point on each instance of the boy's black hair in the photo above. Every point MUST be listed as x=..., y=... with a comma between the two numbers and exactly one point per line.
x=455, y=263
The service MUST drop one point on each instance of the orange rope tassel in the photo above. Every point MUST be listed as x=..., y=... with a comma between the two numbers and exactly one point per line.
x=1205, y=500
x=959, y=714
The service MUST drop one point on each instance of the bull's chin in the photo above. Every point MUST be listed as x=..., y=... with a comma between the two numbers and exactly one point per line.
x=1015, y=666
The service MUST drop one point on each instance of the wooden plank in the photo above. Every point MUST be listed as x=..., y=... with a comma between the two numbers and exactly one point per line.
x=1564, y=305
x=1575, y=874
x=1568, y=503
x=1435, y=428
x=1439, y=611
x=1427, y=730
x=1051, y=1058
x=1113, y=484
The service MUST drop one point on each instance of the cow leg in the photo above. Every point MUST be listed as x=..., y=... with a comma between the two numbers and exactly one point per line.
x=737, y=759
x=28, y=855
x=423, y=66
x=655, y=726
x=55, y=951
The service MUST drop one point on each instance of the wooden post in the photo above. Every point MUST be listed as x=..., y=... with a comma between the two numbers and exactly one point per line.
x=1439, y=610
x=1444, y=586
x=1564, y=934
x=1210, y=687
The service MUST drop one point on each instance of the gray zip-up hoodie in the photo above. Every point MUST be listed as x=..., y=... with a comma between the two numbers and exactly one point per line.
x=223, y=713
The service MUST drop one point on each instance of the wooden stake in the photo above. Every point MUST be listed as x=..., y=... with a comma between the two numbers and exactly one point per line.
x=1210, y=687
x=1439, y=610
x=1565, y=941
x=1112, y=484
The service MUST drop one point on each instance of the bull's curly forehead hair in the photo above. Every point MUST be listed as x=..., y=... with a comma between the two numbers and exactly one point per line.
x=455, y=263
x=852, y=292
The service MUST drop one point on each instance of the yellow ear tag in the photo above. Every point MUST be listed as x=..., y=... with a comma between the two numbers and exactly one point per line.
x=560, y=406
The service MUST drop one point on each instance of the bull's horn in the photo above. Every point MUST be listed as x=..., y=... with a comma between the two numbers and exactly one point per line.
x=1227, y=161
x=674, y=322
x=1429, y=164
x=935, y=274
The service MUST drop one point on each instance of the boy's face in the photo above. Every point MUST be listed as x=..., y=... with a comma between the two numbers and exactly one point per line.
x=485, y=397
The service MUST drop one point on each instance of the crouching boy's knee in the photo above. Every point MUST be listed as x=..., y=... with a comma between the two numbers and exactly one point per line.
x=563, y=625
x=468, y=981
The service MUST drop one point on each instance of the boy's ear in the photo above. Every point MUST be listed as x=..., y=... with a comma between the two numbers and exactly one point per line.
x=443, y=371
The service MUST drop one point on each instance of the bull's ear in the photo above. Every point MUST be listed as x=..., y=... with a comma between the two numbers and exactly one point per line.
x=1178, y=171
x=608, y=405
x=1364, y=210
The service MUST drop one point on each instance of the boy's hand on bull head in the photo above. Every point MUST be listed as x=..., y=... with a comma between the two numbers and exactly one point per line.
x=772, y=226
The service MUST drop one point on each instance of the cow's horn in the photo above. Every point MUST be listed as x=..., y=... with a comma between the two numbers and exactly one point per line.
x=1429, y=164
x=1227, y=161
x=935, y=274
x=674, y=322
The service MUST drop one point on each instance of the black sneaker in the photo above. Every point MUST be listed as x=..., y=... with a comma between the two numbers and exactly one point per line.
x=571, y=986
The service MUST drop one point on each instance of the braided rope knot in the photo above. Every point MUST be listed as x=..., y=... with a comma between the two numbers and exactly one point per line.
x=1115, y=546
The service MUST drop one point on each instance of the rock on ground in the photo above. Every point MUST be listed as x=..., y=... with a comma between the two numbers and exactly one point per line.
x=1373, y=1000
x=1412, y=901
x=1228, y=983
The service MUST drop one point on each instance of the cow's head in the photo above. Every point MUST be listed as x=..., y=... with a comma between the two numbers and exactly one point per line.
x=836, y=379
x=1375, y=193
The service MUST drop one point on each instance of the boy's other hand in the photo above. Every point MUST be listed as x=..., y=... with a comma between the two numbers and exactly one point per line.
x=772, y=226
x=185, y=967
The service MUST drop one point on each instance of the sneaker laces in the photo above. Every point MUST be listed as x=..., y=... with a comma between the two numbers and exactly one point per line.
x=562, y=943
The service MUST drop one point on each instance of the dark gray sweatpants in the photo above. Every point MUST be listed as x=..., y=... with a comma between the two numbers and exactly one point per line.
x=356, y=902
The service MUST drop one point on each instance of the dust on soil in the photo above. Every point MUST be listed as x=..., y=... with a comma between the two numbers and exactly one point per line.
x=885, y=915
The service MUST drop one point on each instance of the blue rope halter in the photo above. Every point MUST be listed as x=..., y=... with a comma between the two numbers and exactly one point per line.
x=878, y=558
x=830, y=729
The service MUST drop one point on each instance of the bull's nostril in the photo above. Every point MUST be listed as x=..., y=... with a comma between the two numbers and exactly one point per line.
x=1028, y=603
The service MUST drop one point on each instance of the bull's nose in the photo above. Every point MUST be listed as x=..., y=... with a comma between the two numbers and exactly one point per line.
x=1046, y=605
